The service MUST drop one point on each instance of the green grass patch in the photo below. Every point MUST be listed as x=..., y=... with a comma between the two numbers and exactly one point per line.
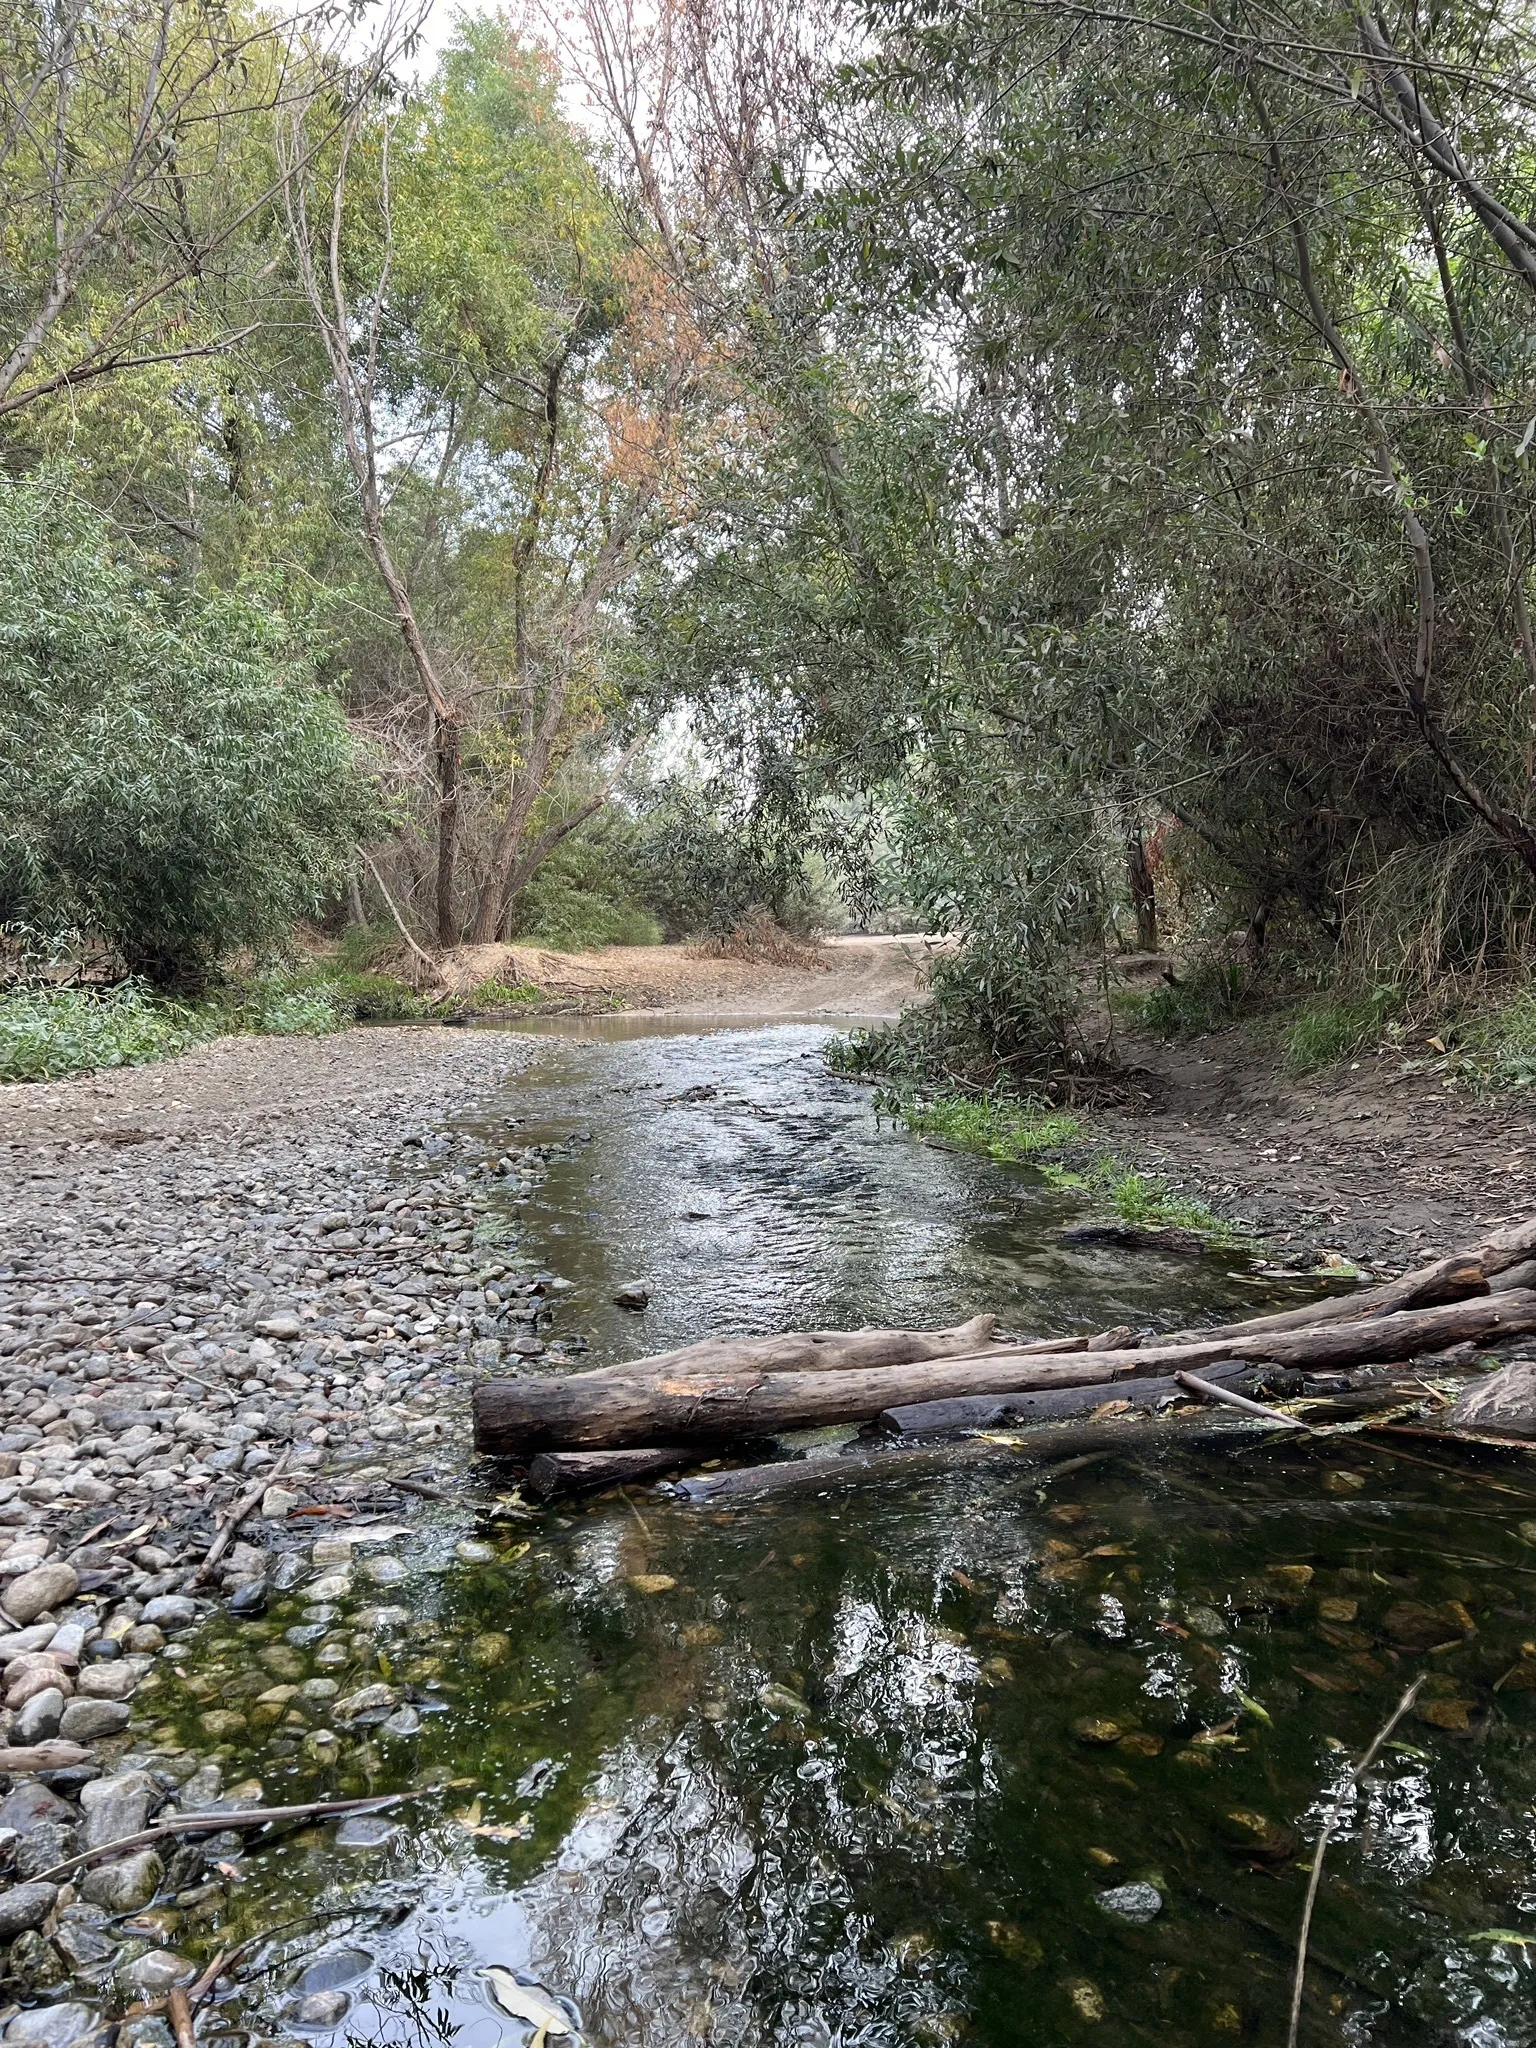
x=496, y=994
x=1001, y=1127
x=1028, y=1131
x=1207, y=998
x=1326, y=1033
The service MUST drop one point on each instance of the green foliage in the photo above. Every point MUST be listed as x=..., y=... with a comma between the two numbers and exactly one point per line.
x=311, y=1001
x=1207, y=997
x=1026, y=1130
x=46, y=1033
x=1326, y=1033
x=703, y=867
x=495, y=994
x=171, y=779
x=587, y=894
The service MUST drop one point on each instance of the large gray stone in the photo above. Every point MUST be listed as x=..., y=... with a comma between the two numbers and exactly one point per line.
x=52, y=2026
x=39, y=1719
x=124, y=1886
x=30, y=1804
x=115, y=1807
x=114, y=1681
x=89, y=1720
x=171, y=1611
x=35, y=1592
x=24, y=1906
x=1503, y=1404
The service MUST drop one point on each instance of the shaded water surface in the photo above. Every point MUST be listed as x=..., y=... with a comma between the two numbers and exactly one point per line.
x=876, y=1769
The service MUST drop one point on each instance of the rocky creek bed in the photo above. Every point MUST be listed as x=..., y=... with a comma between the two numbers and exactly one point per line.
x=820, y=1770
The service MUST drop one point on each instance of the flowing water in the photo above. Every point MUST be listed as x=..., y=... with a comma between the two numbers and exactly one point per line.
x=893, y=1766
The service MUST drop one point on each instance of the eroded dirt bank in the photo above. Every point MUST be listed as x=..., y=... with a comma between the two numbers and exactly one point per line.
x=1380, y=1163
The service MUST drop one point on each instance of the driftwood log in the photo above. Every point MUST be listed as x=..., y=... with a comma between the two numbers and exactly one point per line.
x=1003, y=1411
x=805, y=1351
x=558, y=1472
x=1048, y=1445
x=515, y=1418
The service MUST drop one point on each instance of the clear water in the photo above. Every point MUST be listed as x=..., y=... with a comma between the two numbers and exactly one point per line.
x=860, y=1769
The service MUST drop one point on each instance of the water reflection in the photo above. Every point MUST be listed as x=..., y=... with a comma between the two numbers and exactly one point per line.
x=865, y=1774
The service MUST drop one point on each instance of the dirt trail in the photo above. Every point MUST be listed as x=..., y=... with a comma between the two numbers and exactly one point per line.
x=851, y=977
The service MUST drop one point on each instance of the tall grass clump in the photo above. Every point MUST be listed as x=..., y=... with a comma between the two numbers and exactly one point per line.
x=1326, y=1033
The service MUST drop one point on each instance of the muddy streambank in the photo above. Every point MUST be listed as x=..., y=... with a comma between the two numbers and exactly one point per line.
x=867, y=1769
x=1382, y=1157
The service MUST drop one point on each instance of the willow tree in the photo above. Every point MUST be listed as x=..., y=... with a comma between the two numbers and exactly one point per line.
x=507, y=401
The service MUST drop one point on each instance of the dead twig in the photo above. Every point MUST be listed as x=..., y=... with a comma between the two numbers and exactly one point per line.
x=235, y=1517
x=1211, y=1392
x=216, y=1823
x=1323, y=1839
x=178, y=2008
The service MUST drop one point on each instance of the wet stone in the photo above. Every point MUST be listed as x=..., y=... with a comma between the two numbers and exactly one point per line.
x=321, y=2009
x=1137, y=1903
x=330, y=1972
x=152, y=1974
x=79, y=1938
x=126, y=1885
x=149, y=2031
x=52, y=2026
x=365, y=1831
x=23, y=1906
x=49, y=1843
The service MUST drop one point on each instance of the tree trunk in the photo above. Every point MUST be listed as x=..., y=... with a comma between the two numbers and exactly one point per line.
x=514, y=1418
x=997, y=1411
x=1061, y=1445
x=446, y=753
x=557, y=1472
x=1143, y=888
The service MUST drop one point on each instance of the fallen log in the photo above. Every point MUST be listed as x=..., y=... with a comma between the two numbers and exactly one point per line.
x=1003, y=1411
x=1453, y=1279
x=806, y=1351
x=1133, y=1433
x=514, y=1418
x=559, y=1472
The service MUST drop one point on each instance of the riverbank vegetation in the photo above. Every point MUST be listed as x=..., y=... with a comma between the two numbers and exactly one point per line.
x=1067, y=477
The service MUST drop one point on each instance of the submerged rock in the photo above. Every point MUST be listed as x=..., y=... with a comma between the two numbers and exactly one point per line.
x=1503, y=1404
x=1137, y=1903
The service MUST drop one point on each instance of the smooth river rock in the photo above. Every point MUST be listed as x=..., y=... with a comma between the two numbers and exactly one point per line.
x=24, y=1906
x=35, y=1592
x=124, y=1886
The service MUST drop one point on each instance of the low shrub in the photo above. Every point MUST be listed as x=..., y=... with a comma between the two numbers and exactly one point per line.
x=46, y=1033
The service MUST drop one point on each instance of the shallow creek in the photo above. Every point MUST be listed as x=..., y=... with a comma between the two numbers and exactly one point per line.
x=863, y=1768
